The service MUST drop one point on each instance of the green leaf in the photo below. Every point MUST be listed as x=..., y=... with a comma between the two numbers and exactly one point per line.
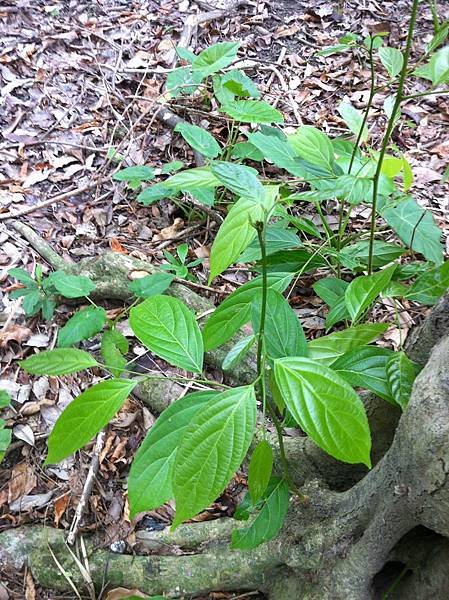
x=22, y=276
x=278, y=152
x=199, y=139
x=259, y=470
x=338, y=312
x=416, y=227
x=197, y=178
x=185, y=54
x=151, y=285
x=150, y=477
x=5, y=399
x=183, y=81
x=32, y=301
x=336, y=49
x=326, y=407
x=155, y=192
x=353, y=119
x=392, y=59
x=330, y=289
x=60, y=361
x=276, y=238
x=84, y=324
x=294, y=260
x=85, y=416
x=172, y=166
x=240, y=84
x=363, y=290
x=71, y=286
x=238, y=352
x=430, y=286
x=235, y=310
x=252, y=111
x=365, y=368
x=212, y=449
x=215, y=57
x=438, y=38
x=306, y=225
x=5, y=440
x=245, y=150
x=437, y=69
x=269, y=520
x=169, y=329
x=313, y=145
x=356, y=255
x=239, y=179
x=134, y=174
x=284, y=335
x=328, y=348
x=401, y=373
x=353, y=189
x=113, y=345
x=237, y=230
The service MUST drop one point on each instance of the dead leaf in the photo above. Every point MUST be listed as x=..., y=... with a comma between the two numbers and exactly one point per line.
x=22, y=481
x=14, y=333
x=60, y=507
x=30, y=589
x=170, y=232
x=116, y=246
x=27, y=503
x=24, y=433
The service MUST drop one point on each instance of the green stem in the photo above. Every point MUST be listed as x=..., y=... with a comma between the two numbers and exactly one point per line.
x=260, y=227
x=422, y=94
x=390, y=127
x=368, y=105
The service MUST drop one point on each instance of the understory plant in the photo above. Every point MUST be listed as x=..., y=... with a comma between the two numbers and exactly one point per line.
x=199, y=442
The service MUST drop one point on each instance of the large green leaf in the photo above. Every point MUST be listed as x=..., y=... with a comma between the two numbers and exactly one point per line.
x=215, y=57
x=151, y=285
x=363, y=290
x=150, y=477
x=239, y=179
x=71, y=286
x=240, y=84
x=284, y=335
x=356, y=255
x=276, y=238
x=131, y=174
x=259, y=470
x=437, y=69
x=416, y=227
x=5, y=399
x=197, y=178
x=86, y=416
x=237, y=230
x=328, y=348
x=84, y=324
x=235, y=310
x=212, y=449
x=169, y=329
x=113, y=346
x=338, y=312
x=401, y=373
x=326, y=407
x=155, y=192
x=330, y=289
x=252, y=111
x=430, y=286
x=313, y=145
x=183, y=81
x=269, y=520
x=392, y=59
x=353, y=119
x=365, y=368
x=60, y=361
x=238, y=352
x=278, y=152
x=199, y=139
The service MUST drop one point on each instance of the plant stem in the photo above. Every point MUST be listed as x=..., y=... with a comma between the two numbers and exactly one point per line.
x=368, y=105
x=390, y=127
x=260, y=227
x=428, y=93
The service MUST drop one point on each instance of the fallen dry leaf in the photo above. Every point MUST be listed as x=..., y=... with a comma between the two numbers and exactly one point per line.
x=60, y=507
x=14, y=333
x=22, y=481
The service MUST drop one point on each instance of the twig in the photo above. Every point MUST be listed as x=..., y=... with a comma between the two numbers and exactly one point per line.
x=93, y=470
x=57, y=198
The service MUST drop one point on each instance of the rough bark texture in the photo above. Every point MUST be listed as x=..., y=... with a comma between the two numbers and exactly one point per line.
x=332, y=547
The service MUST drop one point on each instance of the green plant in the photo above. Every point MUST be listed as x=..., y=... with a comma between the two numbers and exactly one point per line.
x=5, y=434
x=199, y=442
x=178, y=265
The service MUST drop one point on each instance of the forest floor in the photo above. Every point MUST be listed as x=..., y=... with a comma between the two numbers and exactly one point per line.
x=78, y=79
